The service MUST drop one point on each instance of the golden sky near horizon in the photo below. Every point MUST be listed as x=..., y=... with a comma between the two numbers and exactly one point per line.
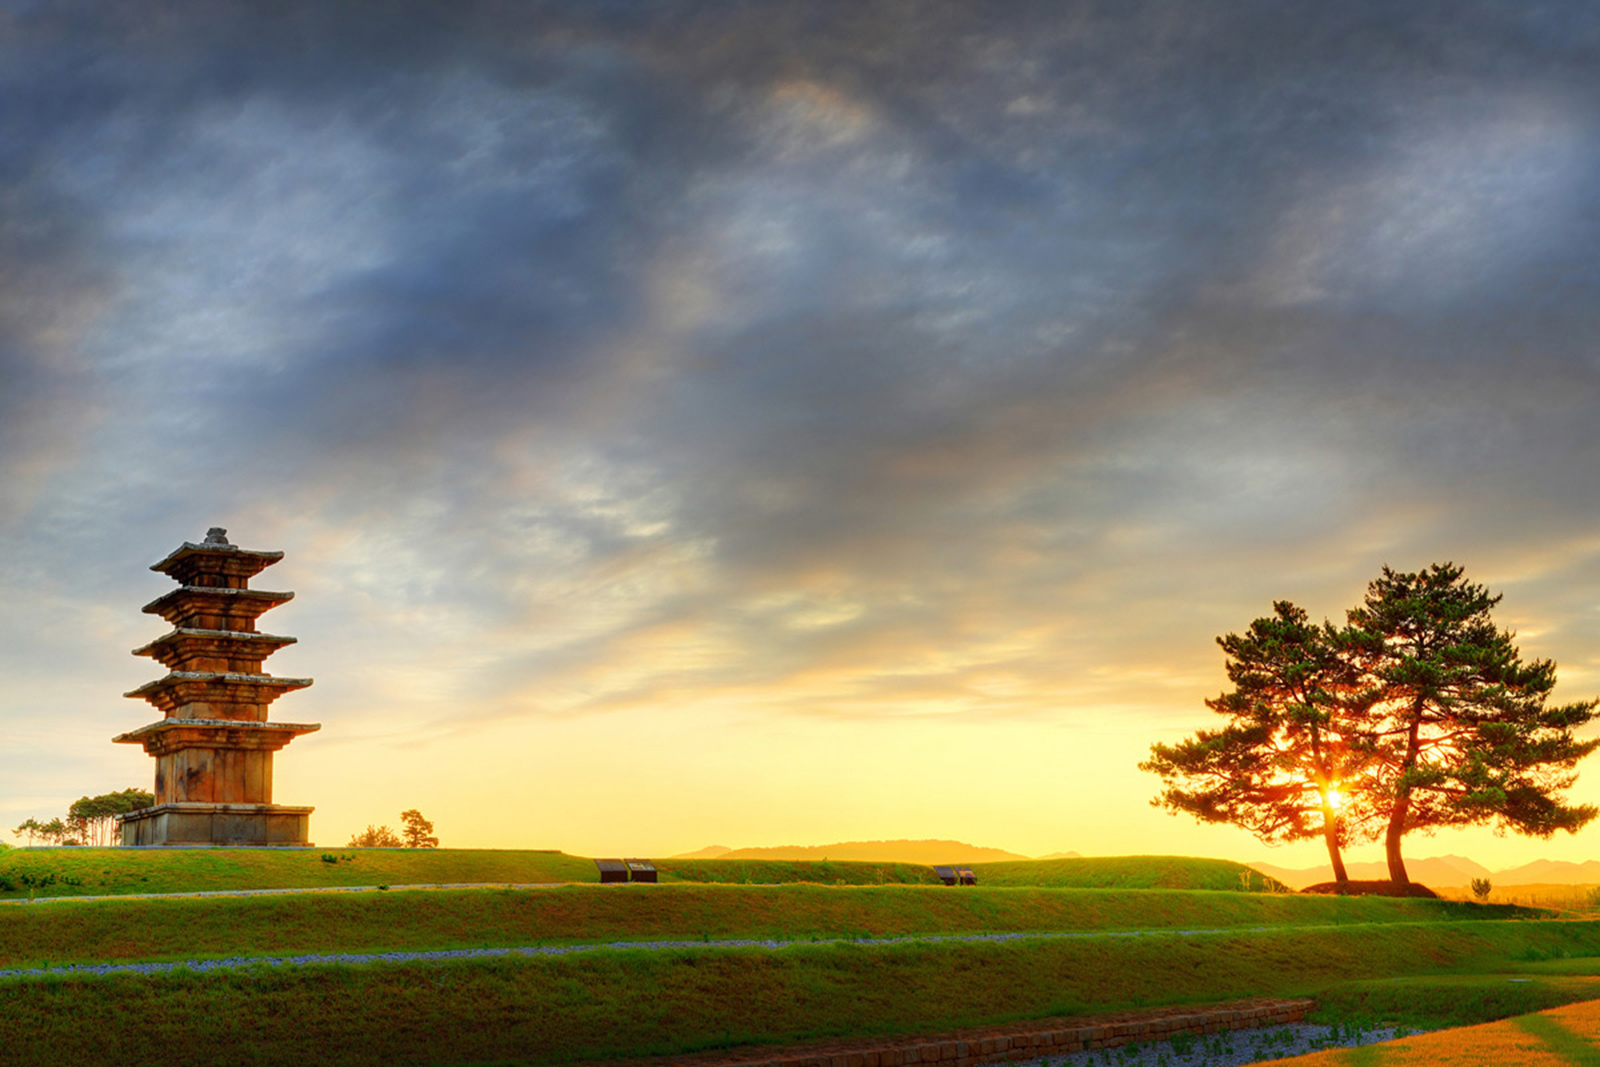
x=698, y=424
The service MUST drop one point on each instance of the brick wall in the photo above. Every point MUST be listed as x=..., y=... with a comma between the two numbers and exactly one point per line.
x=1017, y=1041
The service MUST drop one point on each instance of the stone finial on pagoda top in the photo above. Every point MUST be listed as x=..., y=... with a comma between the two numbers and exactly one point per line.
x=215, y=561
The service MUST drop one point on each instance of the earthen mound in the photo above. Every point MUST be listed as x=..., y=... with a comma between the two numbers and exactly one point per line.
x=1370, y=889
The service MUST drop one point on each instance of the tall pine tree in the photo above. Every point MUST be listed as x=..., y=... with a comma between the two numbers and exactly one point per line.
x=1458, y=722
x=1289, y=763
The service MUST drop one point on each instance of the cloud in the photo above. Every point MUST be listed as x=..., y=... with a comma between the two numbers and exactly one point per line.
x=850, y=360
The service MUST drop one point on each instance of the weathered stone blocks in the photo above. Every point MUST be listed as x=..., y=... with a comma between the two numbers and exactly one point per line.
x=213, y=747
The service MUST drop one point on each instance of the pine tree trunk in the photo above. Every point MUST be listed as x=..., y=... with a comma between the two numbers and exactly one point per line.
x=1330, y=834
x=1402, y=804
x=1391, y=842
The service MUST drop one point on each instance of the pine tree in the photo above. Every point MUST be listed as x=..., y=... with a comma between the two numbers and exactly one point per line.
x=418, y=831
x=1459, y=722
x=1290, y=763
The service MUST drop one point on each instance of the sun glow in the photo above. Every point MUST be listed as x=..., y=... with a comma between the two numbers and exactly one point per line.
x=1335, y=799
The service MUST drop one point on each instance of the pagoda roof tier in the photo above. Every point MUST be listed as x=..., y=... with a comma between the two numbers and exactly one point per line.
x=215, y=556
x=206, y=808
x=172, y=735
x=214, y=687
x=237, y=643
x=190, y=600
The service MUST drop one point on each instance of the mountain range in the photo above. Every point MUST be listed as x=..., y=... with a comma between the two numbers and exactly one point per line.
x=1437, y=871
x=925, y=852
x=1442, y=871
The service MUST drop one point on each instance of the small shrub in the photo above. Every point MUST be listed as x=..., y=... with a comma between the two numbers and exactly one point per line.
x=1538, y=954
x=1480, y=889
x=376, y=837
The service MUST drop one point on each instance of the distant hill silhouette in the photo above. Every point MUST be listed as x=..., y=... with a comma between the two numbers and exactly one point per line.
x=1551, y=872
x=927, y=852
x=1447, y=871
x=1060, y=856
x=710, y=852
x=1434, y=871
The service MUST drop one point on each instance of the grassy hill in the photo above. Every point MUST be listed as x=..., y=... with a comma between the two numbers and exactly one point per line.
x=1437, y=872
x=610, y=1005
x=1128, y=872
x=117, y=871
x=107, y=930
x=924, y=852
x=783, y=872
x=1360, y=956
x=38, y=872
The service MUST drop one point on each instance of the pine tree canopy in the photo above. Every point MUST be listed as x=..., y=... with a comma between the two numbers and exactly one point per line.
x=1418, y=713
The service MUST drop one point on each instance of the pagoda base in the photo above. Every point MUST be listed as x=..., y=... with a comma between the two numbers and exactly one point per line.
x=216, y=824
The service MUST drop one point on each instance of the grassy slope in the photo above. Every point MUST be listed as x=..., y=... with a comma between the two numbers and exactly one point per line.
x=1438, y=1001
x=117, y=871
x=102, y=931
x=781, y=872
x=98, y=871
x=626, y=1004
x=1128, y=872
x=1552, y=1038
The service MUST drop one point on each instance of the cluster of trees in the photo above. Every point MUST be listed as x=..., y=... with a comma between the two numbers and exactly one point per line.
x=416, y=832
x=1417, y=713
x=89, y=821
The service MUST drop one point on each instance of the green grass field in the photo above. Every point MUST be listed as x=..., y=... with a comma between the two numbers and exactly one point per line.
x=1129, y=872
x=626, y=1004
x=37, y=872
x=119, y=871
x=109, y=930
x=1421, y=961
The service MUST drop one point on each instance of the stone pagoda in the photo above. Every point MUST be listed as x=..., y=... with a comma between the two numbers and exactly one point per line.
x=213, y=746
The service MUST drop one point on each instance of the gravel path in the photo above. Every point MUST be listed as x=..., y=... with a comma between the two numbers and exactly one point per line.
x=1233, y=1048
x=442, y=955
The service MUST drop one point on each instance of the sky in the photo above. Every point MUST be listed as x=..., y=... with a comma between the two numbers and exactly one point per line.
x=759, y=424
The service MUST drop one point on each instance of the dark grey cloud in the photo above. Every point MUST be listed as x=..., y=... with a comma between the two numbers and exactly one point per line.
x=881, y=349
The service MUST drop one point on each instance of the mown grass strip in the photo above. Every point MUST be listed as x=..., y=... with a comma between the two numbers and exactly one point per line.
x=1091, y=872
x=1438, y=1001
x=1128, y=872
x=1563, y=1042
x=783, y=872
x=606, y=1005
x=1563, y=1037
x=114, y=871
x=56, y=872
x=113, y=930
